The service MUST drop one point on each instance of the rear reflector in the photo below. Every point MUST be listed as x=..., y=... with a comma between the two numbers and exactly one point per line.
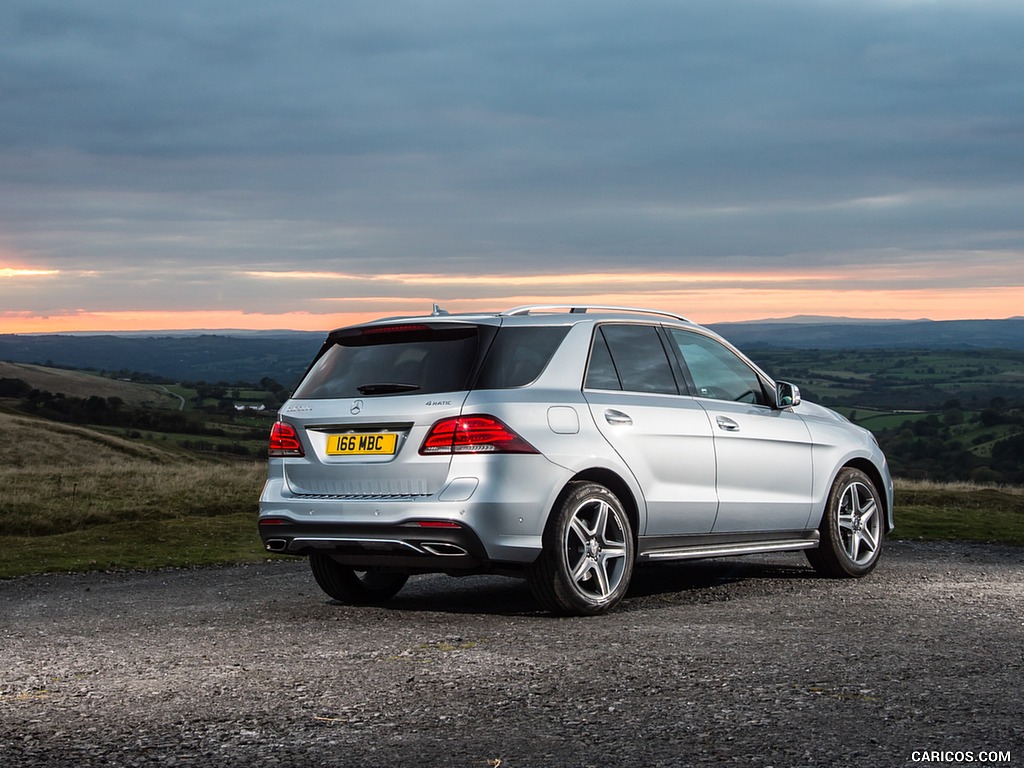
x=473, y=434
x=284, y=441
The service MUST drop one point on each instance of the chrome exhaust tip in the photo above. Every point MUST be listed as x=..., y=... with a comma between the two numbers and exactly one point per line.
x=276, y=545
x=443, y=549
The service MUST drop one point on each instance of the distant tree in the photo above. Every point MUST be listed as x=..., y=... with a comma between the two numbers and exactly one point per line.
x=953, y=417
x=14, y=388
x=1010, y=450
x=990, y=417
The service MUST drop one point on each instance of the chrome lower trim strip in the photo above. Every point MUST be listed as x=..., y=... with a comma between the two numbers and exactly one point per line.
x=362, y=496
x=723, y=550
x=328, y=542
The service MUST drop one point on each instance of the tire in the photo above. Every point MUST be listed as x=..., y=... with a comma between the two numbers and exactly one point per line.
x=852, y=528
x=587, y=559
x=354, y=587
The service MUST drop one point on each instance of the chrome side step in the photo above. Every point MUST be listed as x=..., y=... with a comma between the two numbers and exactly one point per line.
x=696, y=551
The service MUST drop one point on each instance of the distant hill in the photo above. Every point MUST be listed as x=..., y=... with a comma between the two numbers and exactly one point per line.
x=233, y=356
x=836, y=333
x=283, y=356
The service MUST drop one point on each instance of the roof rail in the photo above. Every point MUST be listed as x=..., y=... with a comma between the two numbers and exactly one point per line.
x=582, y=309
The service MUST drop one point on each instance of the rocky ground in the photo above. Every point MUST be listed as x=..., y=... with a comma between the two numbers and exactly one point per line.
x=748, y=662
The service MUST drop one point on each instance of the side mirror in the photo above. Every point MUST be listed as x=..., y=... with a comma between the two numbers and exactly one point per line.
x=786, y=395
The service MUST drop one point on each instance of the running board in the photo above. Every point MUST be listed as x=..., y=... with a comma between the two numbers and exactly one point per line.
x=696, y=551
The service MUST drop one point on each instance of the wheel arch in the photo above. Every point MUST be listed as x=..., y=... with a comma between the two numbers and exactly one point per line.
x=869, y=469
x=614, y=483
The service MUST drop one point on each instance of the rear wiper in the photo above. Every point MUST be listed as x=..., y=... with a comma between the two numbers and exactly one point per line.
x=386, y=388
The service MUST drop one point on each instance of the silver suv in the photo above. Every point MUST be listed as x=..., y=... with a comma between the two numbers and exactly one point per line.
x=563, y=444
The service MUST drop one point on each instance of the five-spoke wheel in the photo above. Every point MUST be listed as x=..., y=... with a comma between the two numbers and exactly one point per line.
x=852, y=527
x=587, y=561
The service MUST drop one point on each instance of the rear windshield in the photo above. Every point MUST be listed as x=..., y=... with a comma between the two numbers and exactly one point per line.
x=392, y=360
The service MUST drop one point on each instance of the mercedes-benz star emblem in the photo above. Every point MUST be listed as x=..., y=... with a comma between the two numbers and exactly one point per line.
x=357, y=406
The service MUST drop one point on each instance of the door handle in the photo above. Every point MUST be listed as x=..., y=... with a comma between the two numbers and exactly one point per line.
x=724, y=422
x=617, y=418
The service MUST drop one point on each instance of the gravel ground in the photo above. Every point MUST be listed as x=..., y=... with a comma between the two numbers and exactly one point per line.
x=751, y=662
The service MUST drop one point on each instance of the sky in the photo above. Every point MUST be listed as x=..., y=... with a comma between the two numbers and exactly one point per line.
x=306, y=165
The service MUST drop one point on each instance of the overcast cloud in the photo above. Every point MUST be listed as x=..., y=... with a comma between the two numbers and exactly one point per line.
x=168, y=156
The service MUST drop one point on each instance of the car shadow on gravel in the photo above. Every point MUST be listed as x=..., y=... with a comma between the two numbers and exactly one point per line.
x=653, y=586
x=704, y=581
x=487, y=595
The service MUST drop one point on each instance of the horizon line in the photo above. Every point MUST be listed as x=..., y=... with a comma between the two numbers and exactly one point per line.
x=791, y=320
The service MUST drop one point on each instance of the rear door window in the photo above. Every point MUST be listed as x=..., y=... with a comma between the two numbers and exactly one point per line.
x=630, y=358
x=392, y=360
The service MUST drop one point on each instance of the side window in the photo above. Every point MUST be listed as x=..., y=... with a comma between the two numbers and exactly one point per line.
x=601, y=372
x=716, y=372
x=519, y=355
x=631, y=358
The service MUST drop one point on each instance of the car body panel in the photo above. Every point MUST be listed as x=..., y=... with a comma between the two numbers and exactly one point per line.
x=667, y=442
x=764, y=465
x=838, y=443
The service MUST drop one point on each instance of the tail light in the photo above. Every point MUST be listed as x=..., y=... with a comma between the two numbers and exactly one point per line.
x=473, y=434
x=284, y=441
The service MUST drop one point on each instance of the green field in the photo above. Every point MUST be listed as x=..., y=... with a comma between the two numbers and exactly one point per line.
x=938, y=414
x=900, y=379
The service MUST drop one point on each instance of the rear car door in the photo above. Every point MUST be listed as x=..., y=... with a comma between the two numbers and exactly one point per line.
x=664, y=438
x=763, y=454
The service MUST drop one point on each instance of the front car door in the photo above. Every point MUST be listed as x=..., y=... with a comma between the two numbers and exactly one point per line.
x=763, y=453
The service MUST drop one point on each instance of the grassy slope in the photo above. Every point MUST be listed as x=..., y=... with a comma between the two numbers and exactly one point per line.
x=959, y=512
x=82, y=384
x=78, y=499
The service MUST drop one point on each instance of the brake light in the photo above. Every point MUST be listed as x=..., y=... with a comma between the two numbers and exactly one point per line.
x=473, y=434
x=284, y=441
x=393, y=329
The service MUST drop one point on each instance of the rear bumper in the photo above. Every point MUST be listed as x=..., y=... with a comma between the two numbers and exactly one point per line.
x=409, y=546
x=491, y=512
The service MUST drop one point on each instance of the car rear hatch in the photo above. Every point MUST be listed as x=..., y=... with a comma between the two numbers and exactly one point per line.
x=369, y=399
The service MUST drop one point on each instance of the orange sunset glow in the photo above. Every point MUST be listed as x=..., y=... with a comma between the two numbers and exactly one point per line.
x=732, y=304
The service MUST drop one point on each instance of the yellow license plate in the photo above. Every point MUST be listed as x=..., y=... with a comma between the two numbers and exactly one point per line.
x=366, y=444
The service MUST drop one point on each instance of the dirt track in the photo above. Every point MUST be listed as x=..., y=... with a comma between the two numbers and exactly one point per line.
x=752, y=662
